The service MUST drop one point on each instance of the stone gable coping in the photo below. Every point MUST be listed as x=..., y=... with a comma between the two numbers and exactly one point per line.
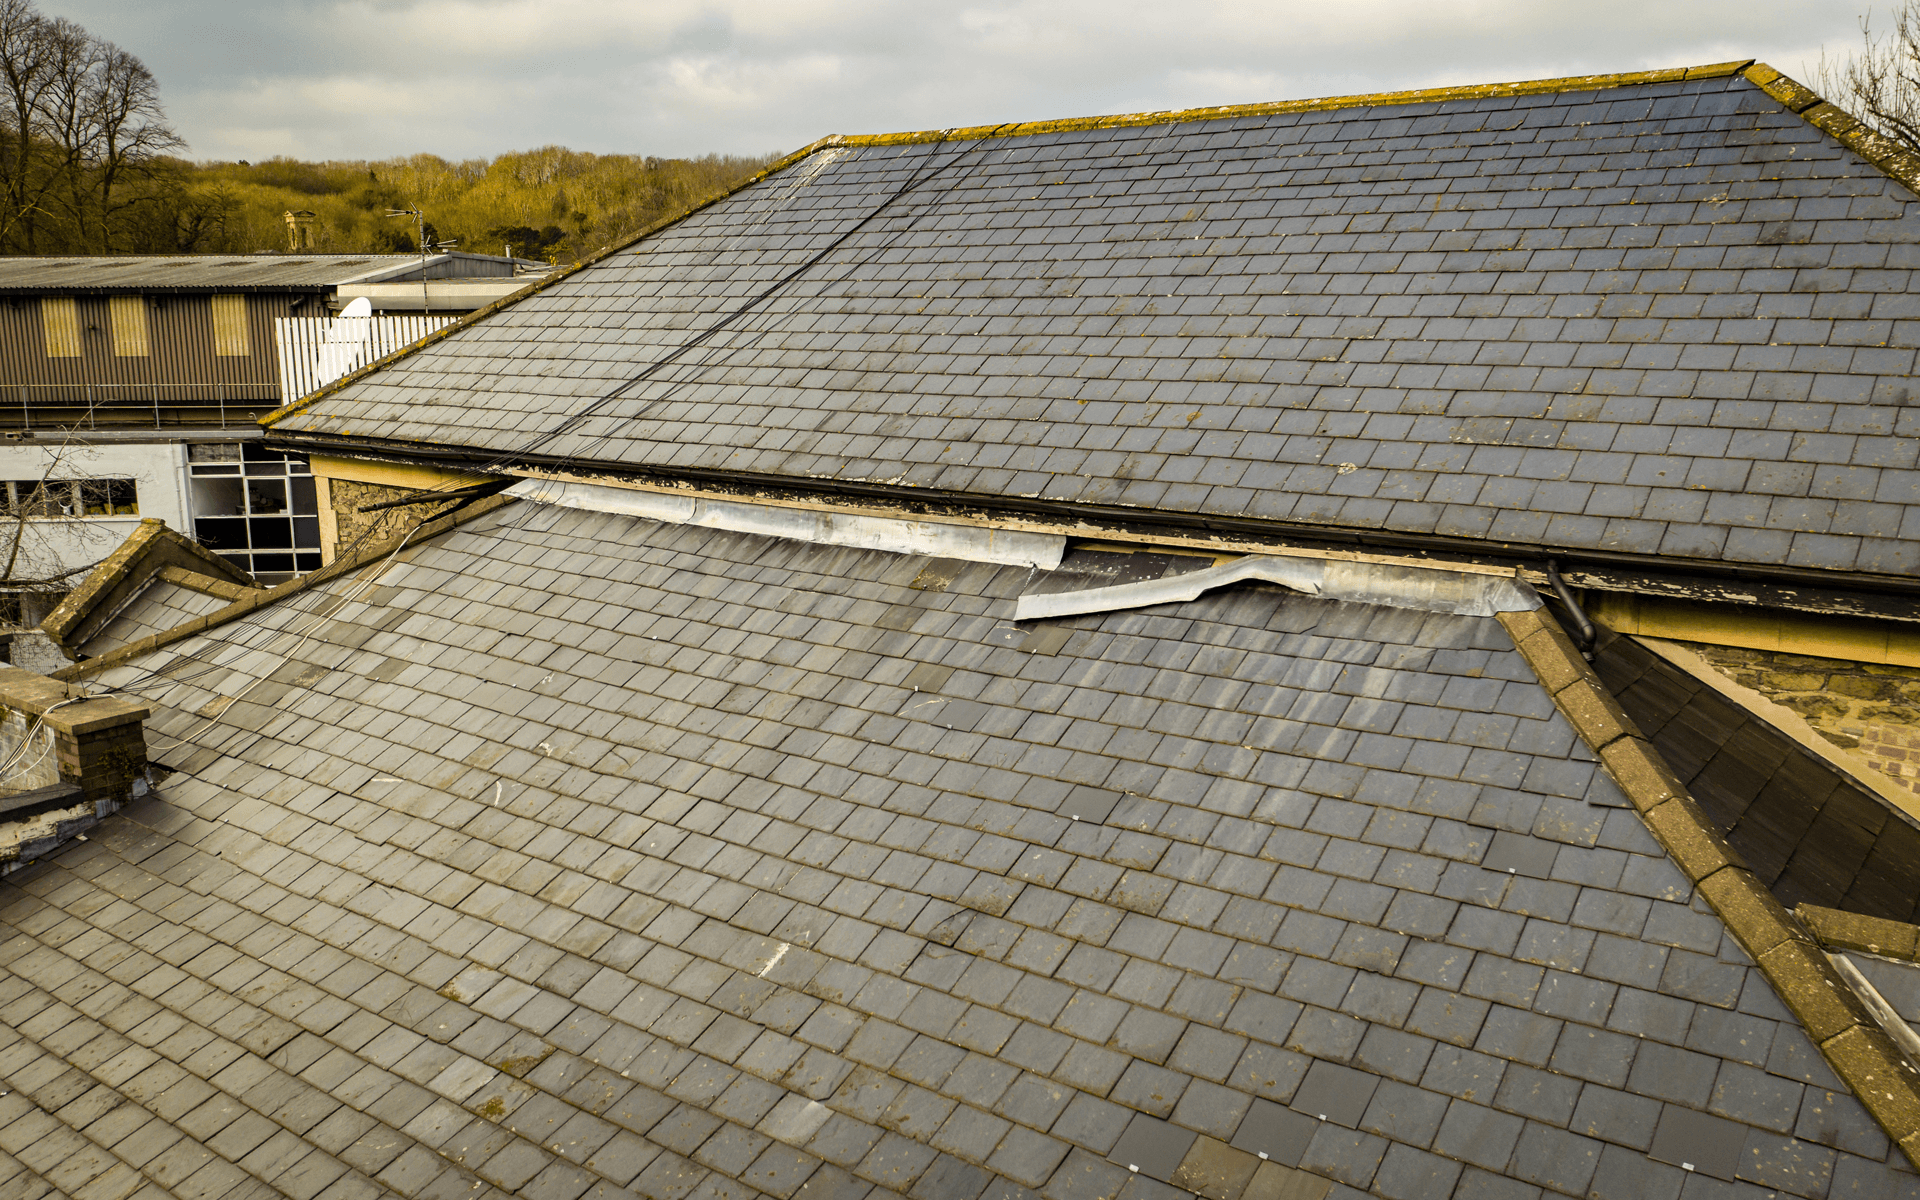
x=261, y=599
x=1788, y=952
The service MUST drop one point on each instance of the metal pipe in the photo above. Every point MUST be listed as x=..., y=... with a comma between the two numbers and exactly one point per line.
x=1587, y=631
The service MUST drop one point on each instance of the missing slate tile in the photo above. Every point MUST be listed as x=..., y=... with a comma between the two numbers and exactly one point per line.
x=1152, y=1147
x=1274, y=1132
x=1519, y=854
x=1088, y=804
x=938, y=574
x=1335, y=1093
x=1695, y=1141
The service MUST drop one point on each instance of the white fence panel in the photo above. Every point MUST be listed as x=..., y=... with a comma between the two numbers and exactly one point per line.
x=315, y=351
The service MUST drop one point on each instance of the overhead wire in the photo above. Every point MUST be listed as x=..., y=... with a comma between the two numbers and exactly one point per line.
x=924, y=172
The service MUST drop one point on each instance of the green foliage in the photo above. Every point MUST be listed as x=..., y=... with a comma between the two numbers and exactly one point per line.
x=551, y=203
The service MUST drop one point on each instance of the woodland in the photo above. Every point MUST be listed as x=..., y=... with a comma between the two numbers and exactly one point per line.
x=89, y=165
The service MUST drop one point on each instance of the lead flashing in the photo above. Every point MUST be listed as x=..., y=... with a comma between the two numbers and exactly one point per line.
x=1420, y=588
x=973, y=543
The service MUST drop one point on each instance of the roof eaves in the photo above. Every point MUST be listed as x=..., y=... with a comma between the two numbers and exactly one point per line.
x=1171, y=116
x=1860, y=1052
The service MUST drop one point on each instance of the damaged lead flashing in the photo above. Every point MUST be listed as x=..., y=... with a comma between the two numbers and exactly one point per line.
x=1420, y=588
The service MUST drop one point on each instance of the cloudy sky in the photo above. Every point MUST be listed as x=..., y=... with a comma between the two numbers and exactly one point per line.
x=467, y=78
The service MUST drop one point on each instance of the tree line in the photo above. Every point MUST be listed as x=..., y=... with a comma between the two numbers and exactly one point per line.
x=552, y=203
x=89, y=165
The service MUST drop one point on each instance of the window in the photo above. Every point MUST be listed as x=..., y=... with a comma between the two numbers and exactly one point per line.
x=128, y=317
x=62, y=320
x=72, y=498
x=256, y=508
x=108, y=498
x=230, y=327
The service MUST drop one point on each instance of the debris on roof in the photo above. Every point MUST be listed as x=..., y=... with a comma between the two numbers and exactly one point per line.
x=803, y=786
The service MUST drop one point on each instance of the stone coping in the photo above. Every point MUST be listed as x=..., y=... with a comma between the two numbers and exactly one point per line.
x=148, y=551
x=255, y=600
x=1837, y=930
x=1788, y=952
x=65, y=710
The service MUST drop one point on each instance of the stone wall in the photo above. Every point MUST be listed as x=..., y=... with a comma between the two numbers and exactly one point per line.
x=346, y=496
x=1874, y=709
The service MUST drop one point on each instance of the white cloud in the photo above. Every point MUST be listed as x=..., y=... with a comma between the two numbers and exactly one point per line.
x=375, y=78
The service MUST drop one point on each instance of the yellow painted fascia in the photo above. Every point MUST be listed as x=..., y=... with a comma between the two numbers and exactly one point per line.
x=391, y=474
x=1854, y=639
x=1573, y=83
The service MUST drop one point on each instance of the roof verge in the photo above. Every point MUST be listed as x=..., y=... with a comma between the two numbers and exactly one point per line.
x=373, y=554
x=1854, y=1044
x=148, y=550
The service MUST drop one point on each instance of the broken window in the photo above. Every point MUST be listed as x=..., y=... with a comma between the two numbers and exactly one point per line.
x=48, y=498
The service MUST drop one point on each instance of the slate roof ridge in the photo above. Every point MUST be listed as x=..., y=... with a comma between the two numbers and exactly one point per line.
x=1219, y=112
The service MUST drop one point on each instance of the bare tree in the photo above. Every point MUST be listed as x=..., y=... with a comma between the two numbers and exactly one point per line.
x=79, y=117
x=1880, y=82
x=27, y=53
x=128, y=130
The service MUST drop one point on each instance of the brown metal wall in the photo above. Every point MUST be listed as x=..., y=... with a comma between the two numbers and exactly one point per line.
x=180, y=338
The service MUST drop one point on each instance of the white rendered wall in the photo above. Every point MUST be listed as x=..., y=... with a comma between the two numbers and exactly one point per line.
x=50, y=545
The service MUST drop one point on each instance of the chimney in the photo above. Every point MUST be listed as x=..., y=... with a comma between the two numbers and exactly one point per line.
x=67, y=761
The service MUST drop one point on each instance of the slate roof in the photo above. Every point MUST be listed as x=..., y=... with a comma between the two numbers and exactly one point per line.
x=161, y=605
x=1812, y=833
x=579, y=854
x=1664, y=318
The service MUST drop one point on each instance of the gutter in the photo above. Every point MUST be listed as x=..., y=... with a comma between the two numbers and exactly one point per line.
x=1850, y=592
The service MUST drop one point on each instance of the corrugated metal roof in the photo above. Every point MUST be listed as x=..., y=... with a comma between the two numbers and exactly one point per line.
x=1668, y=319
x=230, y=271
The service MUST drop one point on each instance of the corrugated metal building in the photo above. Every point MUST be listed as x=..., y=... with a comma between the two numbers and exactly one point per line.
x=188, y=341
x=142, y=378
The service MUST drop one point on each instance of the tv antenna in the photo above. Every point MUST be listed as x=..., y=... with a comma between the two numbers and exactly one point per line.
x=426, y=248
